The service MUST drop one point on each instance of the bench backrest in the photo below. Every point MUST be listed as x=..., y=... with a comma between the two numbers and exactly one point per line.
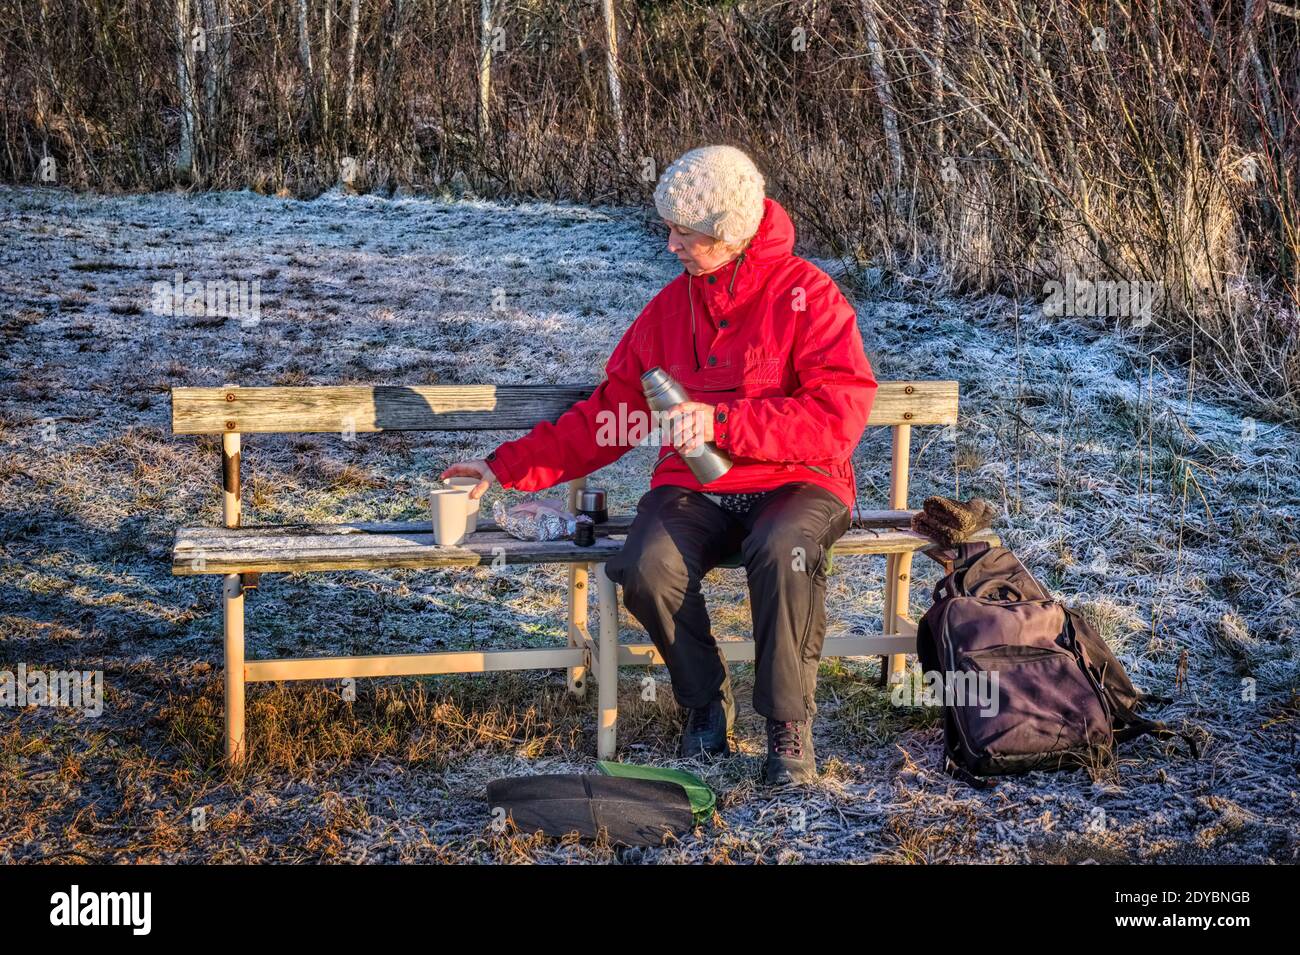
x=353, y=409
x=357, y=409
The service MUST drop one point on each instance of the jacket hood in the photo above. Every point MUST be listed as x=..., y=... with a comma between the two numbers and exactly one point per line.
x=736, y=282
x=774, y=239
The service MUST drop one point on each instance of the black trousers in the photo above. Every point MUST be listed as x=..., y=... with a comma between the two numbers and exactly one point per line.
x=679, y=535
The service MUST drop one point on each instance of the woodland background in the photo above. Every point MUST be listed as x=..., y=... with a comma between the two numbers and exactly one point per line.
x=985, y=145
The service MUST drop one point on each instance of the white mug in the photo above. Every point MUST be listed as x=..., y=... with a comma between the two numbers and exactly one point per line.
x=467, y=484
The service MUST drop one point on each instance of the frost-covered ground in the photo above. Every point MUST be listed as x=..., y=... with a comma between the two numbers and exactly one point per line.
x=1167, y=514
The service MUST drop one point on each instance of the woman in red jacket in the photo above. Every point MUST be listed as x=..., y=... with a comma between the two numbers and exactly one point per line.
x=770, y=354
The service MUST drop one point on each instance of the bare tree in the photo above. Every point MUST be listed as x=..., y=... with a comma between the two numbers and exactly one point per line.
x=304, y=42
x=326, y=64
x=354, y=21
x=880, y=76
x=216, y=59
x=227, y=36
x=940, y=51
x=185, y=167
x=484, y=66
x=611, y=70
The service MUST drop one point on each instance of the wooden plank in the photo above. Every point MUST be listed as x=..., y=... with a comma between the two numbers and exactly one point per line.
x=217, y=550
x=742, y=651
x=583, y=639
x=231, y=494
x=914, y=402
x=616, y=525
x=877, y=542
x=209, y=550
x=411, y=664
x=898, y=567
x=577, y=609
x=232, y=602
x=867, y=517
x=607, y=660
x=494, y=661
x=359, y=409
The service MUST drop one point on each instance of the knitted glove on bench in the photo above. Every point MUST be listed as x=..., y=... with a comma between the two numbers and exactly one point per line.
x=952, y=522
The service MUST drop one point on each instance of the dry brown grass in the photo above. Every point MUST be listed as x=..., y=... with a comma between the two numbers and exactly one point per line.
x=305, y=728
x=152, y=774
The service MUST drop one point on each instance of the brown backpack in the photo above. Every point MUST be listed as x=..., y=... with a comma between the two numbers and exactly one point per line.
x=1033, y=686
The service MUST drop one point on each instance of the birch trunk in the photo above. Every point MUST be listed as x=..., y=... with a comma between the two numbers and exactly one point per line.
x=354, y=21
x=611, y=70
x=880, y=75
x=185, y=83
x=304, y=42
x=211, y=64
x=326, y=64
x=940, y=50
x=484, y=67
x=227, y=34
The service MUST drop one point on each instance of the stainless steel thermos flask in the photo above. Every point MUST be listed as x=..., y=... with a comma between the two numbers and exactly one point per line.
x=591, y=501
x=706, y=462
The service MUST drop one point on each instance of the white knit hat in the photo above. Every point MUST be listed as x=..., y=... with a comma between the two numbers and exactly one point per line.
x=714, y=189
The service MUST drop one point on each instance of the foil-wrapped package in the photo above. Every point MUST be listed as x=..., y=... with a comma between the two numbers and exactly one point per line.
x=535, y=520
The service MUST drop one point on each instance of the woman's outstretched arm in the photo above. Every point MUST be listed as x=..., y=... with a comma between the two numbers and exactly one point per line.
x=593, y=433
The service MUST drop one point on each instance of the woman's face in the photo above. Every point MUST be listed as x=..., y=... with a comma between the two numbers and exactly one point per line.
x=699, y=252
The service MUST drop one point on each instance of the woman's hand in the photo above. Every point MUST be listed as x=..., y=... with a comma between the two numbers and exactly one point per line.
x=478, y=469
x=690, y=425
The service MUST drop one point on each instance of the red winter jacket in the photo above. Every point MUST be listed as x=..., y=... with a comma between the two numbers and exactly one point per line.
x=776, y=349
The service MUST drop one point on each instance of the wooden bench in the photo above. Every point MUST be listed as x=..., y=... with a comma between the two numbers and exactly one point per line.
x=241, y=554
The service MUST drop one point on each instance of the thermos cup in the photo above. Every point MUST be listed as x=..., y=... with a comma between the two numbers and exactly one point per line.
x=706, y=462
x=591, y=501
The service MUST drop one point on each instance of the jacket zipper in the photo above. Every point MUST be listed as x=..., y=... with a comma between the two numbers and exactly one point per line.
x=690, y=300
x=1093, y=682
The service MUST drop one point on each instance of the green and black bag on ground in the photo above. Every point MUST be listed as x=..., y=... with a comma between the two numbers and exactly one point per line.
x=630, y=805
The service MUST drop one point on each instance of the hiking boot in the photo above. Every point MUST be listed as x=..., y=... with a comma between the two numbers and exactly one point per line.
x=706, y=728
x=790, y=756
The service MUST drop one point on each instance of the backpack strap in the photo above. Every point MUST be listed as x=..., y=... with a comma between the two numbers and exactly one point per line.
x=951, y=767
x=968, y=551
x=963, y=555
x=955, y=769
x=1154, y=699
x=945, y=588
x=998, y=583
x=1135, y=727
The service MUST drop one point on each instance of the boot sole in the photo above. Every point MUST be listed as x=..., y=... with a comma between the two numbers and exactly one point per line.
x=791, y=778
